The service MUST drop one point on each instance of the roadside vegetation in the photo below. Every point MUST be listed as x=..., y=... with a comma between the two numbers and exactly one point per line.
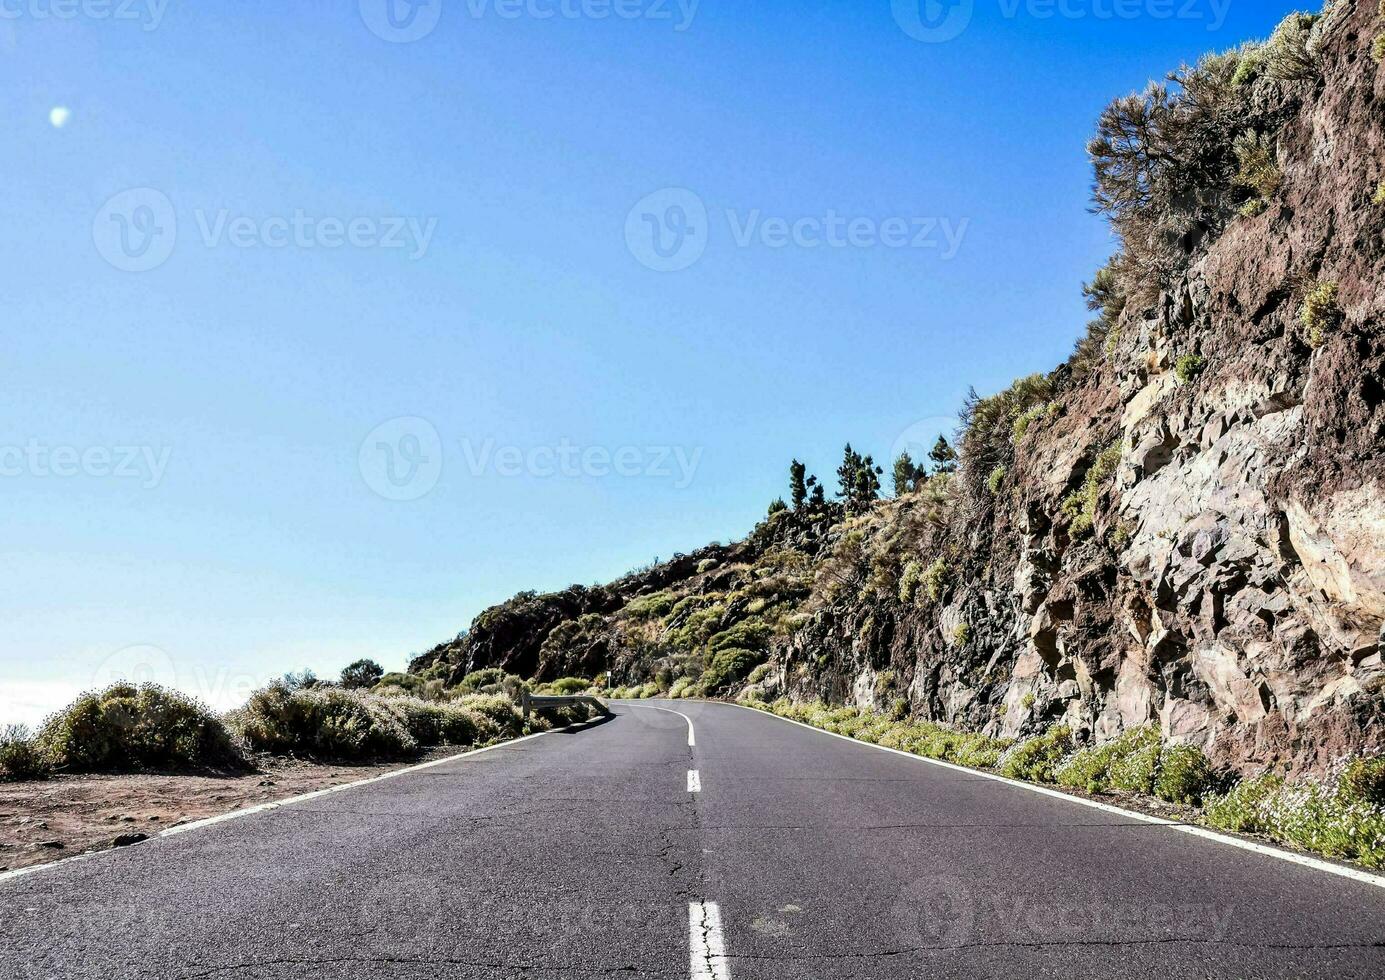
x=1338, y=818
x=367, y=716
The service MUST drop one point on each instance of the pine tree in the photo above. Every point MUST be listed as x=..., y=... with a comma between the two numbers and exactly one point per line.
x=907, y=475
x=818, y=500
x=798, y=488
x=944, y=457
x=859, y=479
x=846, y=474
x=777, y=506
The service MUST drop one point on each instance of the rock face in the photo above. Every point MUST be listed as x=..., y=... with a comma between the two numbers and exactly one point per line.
x=1199, y=549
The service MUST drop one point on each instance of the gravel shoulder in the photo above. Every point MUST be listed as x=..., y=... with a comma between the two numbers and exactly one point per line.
x=56, y=818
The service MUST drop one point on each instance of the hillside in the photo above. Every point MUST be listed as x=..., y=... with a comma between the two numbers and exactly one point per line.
x=1181, y=525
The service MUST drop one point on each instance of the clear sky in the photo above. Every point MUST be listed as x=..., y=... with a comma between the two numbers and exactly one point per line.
x=330, y=324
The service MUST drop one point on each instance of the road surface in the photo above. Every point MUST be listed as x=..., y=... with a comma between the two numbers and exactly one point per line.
x=762, y=850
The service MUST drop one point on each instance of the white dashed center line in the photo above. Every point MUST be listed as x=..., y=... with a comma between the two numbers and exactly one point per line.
x=694, y=781
x=705, y=943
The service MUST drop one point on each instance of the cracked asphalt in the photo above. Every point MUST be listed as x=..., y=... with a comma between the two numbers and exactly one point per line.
x=579, y=855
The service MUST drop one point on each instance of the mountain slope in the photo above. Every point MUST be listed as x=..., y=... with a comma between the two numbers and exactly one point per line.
x=1183, y=524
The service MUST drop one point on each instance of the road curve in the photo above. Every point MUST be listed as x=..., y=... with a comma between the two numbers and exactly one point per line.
x=697, y=841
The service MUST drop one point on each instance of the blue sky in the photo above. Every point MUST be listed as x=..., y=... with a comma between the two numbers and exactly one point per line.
x=382, y=342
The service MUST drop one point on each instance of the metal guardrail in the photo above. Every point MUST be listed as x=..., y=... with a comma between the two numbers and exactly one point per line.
x=529, y=701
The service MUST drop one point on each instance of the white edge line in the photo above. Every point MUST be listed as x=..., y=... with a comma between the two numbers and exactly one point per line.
x=276, y=804
x=692, y=736
x=1342, y=871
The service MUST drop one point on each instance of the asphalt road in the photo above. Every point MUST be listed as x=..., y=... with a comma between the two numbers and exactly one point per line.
x=797, y=856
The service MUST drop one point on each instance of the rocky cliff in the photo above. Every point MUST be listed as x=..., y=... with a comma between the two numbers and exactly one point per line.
x=1184, y=524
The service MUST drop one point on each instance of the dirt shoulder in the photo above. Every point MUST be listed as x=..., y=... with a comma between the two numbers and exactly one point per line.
x=64, y=816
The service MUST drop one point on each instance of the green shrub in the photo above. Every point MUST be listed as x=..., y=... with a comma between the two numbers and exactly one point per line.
x=1025, y=420
x=654, y=606
x=567, y=686
x=681, y=688
x=759, y=674
x=1189, y=368
x=1088, y=770
x=431, y=723
x=1363, y=781
x=1260, y=170
x=1253, y=208
x=1137, y=772
x=1379, y=199
x=1240, y=811
x=478, y=679
x=1289, y=55
x=1321, y=312
x=1315, y=819
x=20, y=755
x=1037, y=759
x=1185, y=774
x=1251, y=65
x=1092, y=768
x=935, y=580
x=730, y=665
x=325, y=722
x=1080, y=506
x=909, y=582
x=747, y=635
x=127, y=726
x=1378, y=49
x=961, y=634
x=996, y=480
x=980, y=752
x=499, y=710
